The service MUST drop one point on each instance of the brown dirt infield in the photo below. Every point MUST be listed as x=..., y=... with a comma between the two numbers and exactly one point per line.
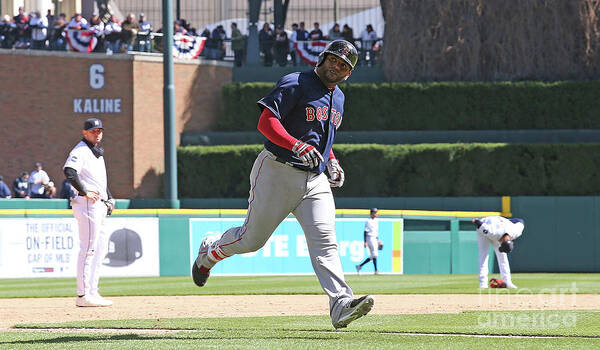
x=55, y=310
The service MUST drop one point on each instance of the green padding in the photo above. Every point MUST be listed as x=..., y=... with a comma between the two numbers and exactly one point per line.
x=174, y=245
x=18, y=203
x=427, y=252
x=465, y=259
x=561, y=233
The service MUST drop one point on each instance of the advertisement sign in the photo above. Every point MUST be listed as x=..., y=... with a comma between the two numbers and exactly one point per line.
x=48, y=247
x=286, y=251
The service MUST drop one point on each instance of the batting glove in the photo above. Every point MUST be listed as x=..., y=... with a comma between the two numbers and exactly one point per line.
x=110, y=206
x=308, y=154
x=336, y=173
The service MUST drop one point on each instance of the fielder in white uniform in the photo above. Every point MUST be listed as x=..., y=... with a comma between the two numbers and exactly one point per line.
x=86, y=171
x=500, y=233
x=300, y=117
x=371, y=238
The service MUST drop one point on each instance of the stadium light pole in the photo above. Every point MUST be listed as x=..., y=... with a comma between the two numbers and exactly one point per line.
x=170, y=176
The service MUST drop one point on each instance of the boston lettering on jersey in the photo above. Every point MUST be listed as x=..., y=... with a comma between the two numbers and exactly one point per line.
x=321, y=114
x=97, y=105
x=308, y=111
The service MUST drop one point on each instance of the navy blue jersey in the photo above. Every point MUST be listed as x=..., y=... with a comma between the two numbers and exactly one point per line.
x=308, y=111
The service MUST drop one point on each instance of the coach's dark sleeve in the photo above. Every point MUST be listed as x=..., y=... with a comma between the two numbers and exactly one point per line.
x=73, y=178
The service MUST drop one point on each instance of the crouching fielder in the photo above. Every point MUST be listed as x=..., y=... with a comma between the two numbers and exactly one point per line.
x=500, y=232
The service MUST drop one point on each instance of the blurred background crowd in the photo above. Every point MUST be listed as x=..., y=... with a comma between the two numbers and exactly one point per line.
x=225, y=40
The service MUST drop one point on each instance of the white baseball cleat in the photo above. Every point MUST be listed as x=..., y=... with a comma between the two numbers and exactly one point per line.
x=354, y=310
x=101, y=300
x=483, y=285
x=511, y=285
x=89, y=301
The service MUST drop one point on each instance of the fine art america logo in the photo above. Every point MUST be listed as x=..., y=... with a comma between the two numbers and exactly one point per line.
x=522, y=310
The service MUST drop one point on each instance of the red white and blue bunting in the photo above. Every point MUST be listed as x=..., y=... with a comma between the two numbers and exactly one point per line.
x=187, y=46
x=81, y=40
x=309, y=50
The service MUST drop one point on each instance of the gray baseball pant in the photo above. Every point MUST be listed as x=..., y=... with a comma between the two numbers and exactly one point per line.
x=276, y=189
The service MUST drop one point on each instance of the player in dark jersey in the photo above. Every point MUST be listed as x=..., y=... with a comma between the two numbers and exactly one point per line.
x=300, y=117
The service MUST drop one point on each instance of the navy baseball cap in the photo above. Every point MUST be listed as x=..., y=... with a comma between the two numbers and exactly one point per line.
x=92, y=123
x=373, y=210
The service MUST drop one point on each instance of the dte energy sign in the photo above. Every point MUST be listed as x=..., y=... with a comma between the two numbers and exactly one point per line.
x=97, y=105
x=286, y=251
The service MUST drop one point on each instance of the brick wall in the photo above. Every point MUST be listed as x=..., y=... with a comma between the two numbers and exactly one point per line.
x=38, y=121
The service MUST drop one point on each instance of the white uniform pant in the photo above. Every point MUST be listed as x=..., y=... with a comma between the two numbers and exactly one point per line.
x=93, y=244
x=277, y=189
x=484, y=249
x=373, y=245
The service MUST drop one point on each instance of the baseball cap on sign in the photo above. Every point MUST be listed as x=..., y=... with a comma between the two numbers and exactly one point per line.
x=92, y=123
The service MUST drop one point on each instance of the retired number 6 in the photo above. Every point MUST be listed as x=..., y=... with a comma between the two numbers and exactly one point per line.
x=96, y=76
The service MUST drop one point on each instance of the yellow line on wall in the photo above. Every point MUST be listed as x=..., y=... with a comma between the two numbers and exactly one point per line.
x=218, y=212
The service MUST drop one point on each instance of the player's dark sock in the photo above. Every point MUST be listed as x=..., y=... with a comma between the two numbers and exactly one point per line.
x=375, y=263
x=364, y=262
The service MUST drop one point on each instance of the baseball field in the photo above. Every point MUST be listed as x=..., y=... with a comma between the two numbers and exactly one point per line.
x=550, y=311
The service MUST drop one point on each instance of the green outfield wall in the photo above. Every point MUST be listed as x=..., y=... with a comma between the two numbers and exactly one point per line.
x=561, y=232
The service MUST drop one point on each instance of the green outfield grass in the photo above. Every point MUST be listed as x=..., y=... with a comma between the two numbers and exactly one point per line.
x=581, y=283
x=567, y=329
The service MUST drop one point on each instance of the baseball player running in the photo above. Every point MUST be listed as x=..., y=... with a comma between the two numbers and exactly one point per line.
x=500, y=232
x=371, y=234
x=299, y=118
x=86, y=171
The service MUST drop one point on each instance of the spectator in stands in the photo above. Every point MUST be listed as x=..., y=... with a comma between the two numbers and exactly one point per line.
x=265, y=42
x=8, y=32
x=293, y=38
x=37, y=180
x=57, y=36
x=49, y=190
x=316, y=33
x=281, y=46
x=39, y=31
x=112, y=35
x=237, y=44
x=217, y=38
x=190, y=30
x=178, y=28
x=67, y=191
x=22, y=22
x=302, y=34
x=4, y=190
x=77, y=22
x=129, y=30
x=144, y=36
x=334, y=33
x=97, y=27
x=205, y=34
x=348, y=34
x=21, y=187
x=368, y=38
x=50, y=18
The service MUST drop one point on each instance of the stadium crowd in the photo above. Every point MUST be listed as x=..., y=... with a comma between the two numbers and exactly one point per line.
x=51, y=32
x=36, y=184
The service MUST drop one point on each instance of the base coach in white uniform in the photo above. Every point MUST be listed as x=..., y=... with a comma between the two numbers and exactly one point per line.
x=86, y=171
x=371, y=238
